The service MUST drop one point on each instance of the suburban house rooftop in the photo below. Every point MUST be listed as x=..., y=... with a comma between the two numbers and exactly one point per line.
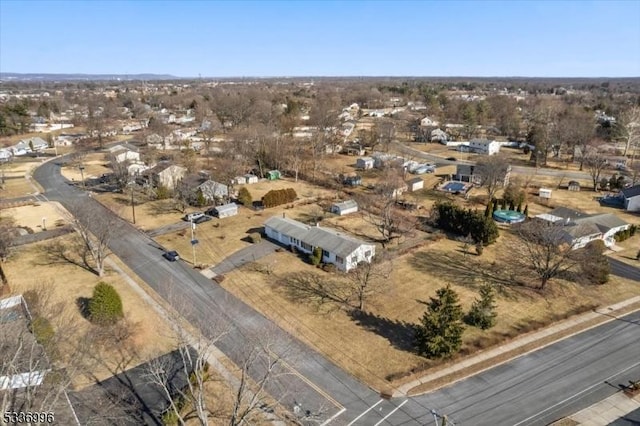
x=329, y=239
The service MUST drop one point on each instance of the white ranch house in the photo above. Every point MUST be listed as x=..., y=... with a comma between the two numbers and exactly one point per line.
x=580, y=228
x=339, y=249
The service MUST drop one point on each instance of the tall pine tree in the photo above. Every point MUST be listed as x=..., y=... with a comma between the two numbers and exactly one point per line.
x=440, y=332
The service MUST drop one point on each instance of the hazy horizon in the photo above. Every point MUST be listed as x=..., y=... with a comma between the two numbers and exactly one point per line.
x=490, y=39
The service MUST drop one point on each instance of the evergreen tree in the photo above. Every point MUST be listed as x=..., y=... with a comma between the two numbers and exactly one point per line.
x=440, y=332
x=483, y=311
x=105, y=307
x=200, y=200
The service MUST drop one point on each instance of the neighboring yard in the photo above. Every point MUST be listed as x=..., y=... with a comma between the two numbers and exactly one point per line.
x=376, y=346
x=34, y=216
x=149, y=333
x=17, y=182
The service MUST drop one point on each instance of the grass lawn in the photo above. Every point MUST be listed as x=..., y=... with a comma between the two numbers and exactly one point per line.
x=34, y=216
x=95, y=165
x=150, y=335
x=376, y=346
x=16, y=182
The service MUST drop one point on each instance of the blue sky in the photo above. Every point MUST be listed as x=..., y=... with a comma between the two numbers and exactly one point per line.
x=304, y=38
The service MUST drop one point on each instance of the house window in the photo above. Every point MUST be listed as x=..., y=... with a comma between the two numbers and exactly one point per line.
x=307, y=247
x=325, y=253
x=339, y=260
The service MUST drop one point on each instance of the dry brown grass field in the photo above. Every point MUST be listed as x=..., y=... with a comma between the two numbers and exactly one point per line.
x=50, y=214
x=17, y=180
x=377, y=346
x=150, y=335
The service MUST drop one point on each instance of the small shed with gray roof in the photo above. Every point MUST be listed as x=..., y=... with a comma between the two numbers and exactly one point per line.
x=344, y=207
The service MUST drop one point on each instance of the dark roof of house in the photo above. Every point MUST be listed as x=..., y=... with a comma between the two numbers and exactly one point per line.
x=130, y=398
x=566, y=213
x=633, y=191
x=415, y=180
x=579, y=224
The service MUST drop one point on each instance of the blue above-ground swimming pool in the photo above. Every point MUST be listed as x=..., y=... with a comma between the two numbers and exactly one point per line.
x=508, y=216
x=454, y=187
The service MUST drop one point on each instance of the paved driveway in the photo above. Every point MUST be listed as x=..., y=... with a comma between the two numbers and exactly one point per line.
x=245, y=255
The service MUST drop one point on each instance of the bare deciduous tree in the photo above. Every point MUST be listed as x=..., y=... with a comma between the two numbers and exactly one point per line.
x=95, y=232
x=596, y=161
x=493, y=172
x=369, y=278
x=628, y=129
x=543, y=249
x=7, y=236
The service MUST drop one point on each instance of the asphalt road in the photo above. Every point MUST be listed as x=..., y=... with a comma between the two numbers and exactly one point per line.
x=440, y=161
x=531, y=390
x=624, y=270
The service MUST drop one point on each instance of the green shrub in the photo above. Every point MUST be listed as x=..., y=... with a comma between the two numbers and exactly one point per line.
x=316, y=256
x=277, y=197
x=244, y=196
x=162, y=192
x=255, y=237
x=105, y=306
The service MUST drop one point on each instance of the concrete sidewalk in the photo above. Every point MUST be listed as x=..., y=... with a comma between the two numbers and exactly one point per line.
x=517, y=343
x=618, y=410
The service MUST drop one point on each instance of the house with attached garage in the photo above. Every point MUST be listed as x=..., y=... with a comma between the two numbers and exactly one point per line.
x=125, y=152
x=338, y=248
x=580, y=228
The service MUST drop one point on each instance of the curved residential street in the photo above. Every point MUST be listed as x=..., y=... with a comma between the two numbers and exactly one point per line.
x=531, y=390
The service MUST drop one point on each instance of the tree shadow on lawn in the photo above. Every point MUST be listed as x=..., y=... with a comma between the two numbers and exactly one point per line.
x=468, y=272
x=399, y=333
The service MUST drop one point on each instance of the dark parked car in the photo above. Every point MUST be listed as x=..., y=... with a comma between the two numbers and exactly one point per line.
x=202, y=219
x=171, y=255
x=451, y=159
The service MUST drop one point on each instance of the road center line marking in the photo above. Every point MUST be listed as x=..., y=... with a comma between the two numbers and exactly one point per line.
x=578, y=393
x=392, y=411
x=365, y=412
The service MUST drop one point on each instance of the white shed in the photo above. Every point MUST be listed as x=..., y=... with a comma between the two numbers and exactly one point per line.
x=226, y=210
x=344, y=207
x=239, y=180
x=544, y=193
x=251, y=178
x=415, y=184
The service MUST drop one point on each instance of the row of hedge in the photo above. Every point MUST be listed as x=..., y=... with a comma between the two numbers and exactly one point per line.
x=626, y=234
x=277, y=197
x=460, y=221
